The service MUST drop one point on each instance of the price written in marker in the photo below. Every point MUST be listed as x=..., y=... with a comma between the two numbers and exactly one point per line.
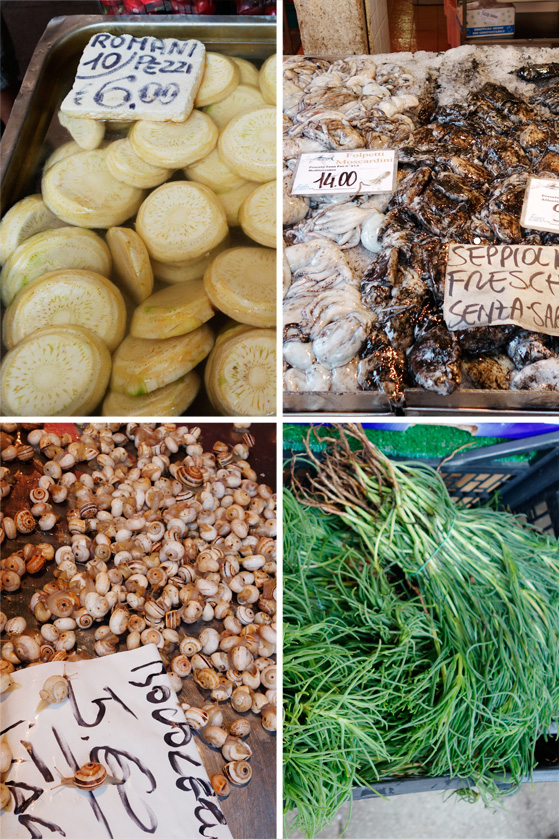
x=489, y=285
x=357, y=172
x=331, y=181
x=124, y=77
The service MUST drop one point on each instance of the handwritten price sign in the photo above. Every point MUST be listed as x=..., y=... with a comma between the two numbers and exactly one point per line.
x=123, y=77
x=486, y=285
x=351, y=173
x=121, y=712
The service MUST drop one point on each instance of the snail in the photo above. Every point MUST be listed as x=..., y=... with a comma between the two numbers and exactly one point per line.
x=160, y=539
x=238, y=772
x=220, y=785
x=6, y=679
x=5, y=757
x=6, y=797
x=54, y=691
x=89, y=777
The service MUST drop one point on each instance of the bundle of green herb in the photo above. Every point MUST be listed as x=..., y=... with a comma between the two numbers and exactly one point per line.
x=421, y=637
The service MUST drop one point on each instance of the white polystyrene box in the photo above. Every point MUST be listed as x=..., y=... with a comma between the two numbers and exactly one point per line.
x=122, y=77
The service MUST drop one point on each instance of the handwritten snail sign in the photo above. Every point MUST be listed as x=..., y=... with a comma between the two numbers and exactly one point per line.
x=488, y=285
x=128, y=78
x=122, y=713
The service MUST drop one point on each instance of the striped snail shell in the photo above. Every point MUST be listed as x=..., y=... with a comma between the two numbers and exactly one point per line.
x=90, y=776
x=206, y=678
x=25, y=453
x=24, y=521
x=224, y=458
x=88, y=510
x=173, y=619
x=238, y=772
x=190, y=476
x=196, y=718
x=36, y=563
x=189, y=646
x=38, y=495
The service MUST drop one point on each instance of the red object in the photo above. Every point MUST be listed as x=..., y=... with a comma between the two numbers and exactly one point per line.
x=269, y=9
x=63, y=428
x=181, y=7
x=134, y=7
x=203, y=7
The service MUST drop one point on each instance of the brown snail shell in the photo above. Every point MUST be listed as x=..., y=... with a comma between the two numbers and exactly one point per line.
x=90, y=776
x=181, y=666
x=35, y=564
x=24, y=521
x=215, y=736
x=220, y=785
x=238, y=772
x=239, y=728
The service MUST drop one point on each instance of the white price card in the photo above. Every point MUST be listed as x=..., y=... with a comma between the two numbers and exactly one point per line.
x=540, y=210
x=487, y=285
x=130, y=78
x=363, y=171
x=123, y=714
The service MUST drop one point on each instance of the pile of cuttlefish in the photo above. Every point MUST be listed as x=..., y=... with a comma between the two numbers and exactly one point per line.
x=462, y=175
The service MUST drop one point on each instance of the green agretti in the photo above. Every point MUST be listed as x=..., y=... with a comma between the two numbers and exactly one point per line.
x=421, y=637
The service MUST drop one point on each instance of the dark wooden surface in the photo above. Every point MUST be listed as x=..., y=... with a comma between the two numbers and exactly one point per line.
x=251, y=810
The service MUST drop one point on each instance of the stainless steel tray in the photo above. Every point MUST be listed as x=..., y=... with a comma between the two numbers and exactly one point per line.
x=33, y=130
x=423, y=402
x=53, y=66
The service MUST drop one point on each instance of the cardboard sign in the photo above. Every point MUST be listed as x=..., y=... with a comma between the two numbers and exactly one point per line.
x=540, y=210
x=128, y=78
x=487, y=285
x=346, y=172
x=121, y=712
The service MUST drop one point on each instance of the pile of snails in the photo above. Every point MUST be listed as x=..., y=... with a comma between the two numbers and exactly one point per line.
x=171, y=536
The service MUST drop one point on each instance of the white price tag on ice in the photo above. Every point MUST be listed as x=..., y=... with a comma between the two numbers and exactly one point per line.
x=540, y=210
x=363, y=171
x=124, y=77
x=122, y=713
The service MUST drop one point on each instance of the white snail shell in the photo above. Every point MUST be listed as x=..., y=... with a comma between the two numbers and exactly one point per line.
x=5, y=757
x=234, y=749
x=54, y=690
